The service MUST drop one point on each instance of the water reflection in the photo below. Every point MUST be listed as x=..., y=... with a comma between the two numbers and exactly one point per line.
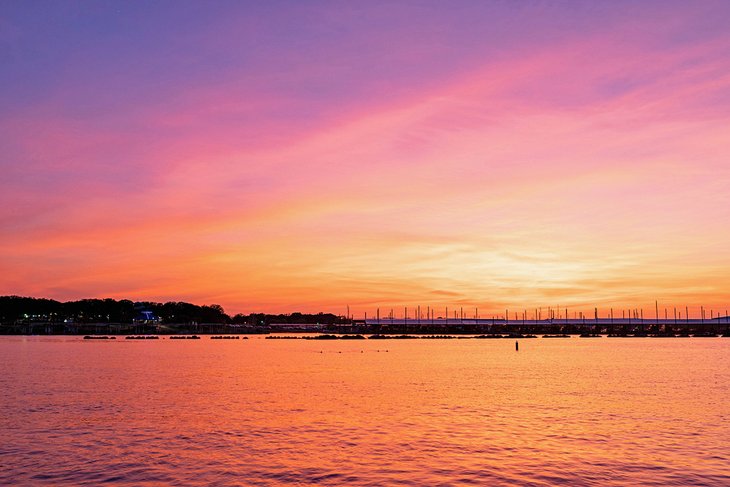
x=272, y=412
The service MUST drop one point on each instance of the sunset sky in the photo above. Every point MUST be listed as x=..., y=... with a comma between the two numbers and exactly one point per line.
x=305, y=156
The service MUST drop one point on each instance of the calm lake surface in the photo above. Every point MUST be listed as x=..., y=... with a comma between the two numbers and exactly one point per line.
x=596, y=411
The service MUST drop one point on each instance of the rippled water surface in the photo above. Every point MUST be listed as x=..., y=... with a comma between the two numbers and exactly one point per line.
x=600, y=411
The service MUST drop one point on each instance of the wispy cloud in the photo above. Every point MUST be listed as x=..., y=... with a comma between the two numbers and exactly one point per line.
x=330, y=165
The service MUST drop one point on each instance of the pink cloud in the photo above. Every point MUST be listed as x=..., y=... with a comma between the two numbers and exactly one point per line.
x=590, y=171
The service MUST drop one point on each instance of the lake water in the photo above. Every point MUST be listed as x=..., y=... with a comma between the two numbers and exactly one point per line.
x=591, y=411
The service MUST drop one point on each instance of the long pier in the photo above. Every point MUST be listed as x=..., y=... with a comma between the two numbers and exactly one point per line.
x=608, y=325
x=583, y=326
x=554, y=321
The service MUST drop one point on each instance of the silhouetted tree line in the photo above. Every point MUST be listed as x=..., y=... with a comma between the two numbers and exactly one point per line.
x=18, y=308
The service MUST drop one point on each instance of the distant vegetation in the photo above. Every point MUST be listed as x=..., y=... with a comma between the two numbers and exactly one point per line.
x=15, y=309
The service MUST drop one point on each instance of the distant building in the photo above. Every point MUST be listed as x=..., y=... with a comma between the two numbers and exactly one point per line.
x=146, y=316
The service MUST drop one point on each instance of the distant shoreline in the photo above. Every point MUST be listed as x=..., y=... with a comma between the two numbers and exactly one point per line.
x=345, y=335
x=40, y=316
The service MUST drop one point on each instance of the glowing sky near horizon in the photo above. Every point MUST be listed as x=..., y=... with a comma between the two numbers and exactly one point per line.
x=284, y=156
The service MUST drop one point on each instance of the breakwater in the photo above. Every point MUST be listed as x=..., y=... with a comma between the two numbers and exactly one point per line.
x=551, y=328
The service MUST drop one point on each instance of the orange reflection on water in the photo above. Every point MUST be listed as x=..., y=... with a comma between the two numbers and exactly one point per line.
x=589, y=411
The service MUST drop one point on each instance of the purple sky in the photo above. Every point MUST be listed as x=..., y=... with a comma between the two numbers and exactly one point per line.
x=305, y=155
